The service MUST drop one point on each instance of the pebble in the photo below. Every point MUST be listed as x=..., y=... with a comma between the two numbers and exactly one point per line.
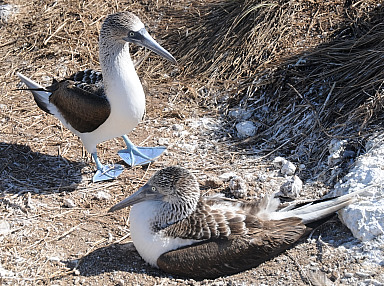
x=101, y=195
x=336, y=149
x=5, y=227
x=362, y=274
x=189, y=147
x=240, y=114
x=54, y=259
x=292, y=187
x=177, y=127
x=213, y=182
x=69, y=203
x=286, y=167
x=245, y=129
x=373, y=282
x=238, y=187
x=227, y=176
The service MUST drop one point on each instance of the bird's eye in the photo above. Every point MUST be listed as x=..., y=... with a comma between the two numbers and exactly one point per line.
x=153, y=189
x=131, y=34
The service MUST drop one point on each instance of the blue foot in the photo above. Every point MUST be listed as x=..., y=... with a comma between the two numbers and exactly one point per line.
x=139, y=155
x=107, y=172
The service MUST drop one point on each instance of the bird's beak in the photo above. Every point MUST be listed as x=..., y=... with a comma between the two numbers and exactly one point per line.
x=143, y=194
x=144, y=39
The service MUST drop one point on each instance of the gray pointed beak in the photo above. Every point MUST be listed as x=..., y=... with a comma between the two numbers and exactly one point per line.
x=144, y=39
x=143, y=194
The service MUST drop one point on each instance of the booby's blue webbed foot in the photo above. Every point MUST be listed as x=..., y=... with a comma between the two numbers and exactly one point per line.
x=106, y=172
x=139, y=155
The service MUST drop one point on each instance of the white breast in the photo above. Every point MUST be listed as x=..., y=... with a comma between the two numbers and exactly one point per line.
x=126, y=97
x=151, y=245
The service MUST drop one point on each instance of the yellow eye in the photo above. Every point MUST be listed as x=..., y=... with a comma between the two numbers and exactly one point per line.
x=131, y=34
x=153, y=189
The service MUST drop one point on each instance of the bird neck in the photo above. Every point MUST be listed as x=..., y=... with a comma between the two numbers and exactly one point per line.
x=117, y=68
x=168, y=214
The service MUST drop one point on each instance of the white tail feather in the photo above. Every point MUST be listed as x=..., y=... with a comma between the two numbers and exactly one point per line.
x=41, y=97
x=309, y=212
x=28, y=82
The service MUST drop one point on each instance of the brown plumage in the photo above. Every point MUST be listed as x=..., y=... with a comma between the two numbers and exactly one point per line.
x=74, y=102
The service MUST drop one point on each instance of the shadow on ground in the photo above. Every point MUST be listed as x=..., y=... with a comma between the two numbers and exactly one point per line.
x=115, y=257
x=22, y=170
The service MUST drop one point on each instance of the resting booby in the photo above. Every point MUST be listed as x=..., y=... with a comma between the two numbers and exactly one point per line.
x=177, y=230
x=101, y=106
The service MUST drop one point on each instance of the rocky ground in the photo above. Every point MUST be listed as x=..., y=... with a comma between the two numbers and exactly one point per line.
x=54, y=225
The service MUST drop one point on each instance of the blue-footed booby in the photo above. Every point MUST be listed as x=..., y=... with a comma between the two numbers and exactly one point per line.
x=183, y=233
x=98, y=106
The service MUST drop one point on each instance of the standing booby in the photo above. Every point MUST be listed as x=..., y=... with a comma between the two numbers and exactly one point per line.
x=101, y=106
x=182, y=233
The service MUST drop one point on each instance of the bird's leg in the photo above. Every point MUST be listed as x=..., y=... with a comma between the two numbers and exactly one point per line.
x=105, y=172
x=139, y=155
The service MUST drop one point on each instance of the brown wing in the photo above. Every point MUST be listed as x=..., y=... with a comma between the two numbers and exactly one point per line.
x=83, y=110
x=226, y=256
x=207, y=223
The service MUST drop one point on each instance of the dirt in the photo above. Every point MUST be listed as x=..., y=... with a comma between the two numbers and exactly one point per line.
x=56, y=229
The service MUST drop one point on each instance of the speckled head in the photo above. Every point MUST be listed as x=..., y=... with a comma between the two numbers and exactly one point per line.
x=123, y=27
x=119, y=24
x=174, y=185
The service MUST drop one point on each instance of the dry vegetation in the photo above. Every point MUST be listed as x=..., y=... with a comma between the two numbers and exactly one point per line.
x=310, y=71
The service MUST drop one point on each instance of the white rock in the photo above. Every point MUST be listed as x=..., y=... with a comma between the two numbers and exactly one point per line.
x=5, y=273
x=6, y=10
x=5, y=227
x=163, y=141
x=292, y=187
x=245, y=129
x=69, y=203
x=336, y=149
x=189, y=147
x=366, y=218
x=101, y=195
x=240, y=114
x=286, y=167
x=238, y=187
x=177, y=127
x=54, y=259
x=225, y=177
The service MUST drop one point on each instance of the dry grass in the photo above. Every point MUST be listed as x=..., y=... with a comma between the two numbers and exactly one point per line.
x=309, y=70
